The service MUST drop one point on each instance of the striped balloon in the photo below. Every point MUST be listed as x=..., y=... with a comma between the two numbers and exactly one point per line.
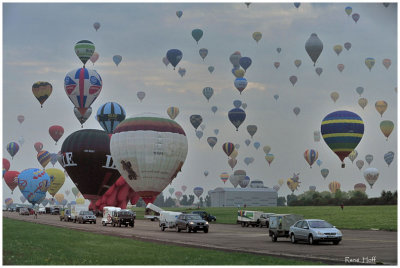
x=84, y=49
x=334, y=187
x=110, y=115
x=42, y=91
x=342, y=131
x=269, y=158
x=310, y=156
x=228, y=148
x=44, y=158
x=173, y=112
x=12, y=149
x=198, y=191
x=224, y=177
x=389, y=157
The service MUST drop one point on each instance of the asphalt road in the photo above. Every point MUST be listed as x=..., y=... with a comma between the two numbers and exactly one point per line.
x=357, y=246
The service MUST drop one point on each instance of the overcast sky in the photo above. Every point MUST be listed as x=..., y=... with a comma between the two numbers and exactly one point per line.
x=38, y=45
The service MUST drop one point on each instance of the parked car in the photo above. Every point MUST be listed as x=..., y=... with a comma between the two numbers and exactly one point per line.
x=191, y=222
x=264, y=219
x=55, y=211
x=314, y=231
x=86, y=216
x=123, y=217
x=205, y=216
x=23, y=211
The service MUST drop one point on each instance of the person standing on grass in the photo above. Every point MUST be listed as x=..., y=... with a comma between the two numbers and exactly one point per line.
x=35, y=214
x=341, y=206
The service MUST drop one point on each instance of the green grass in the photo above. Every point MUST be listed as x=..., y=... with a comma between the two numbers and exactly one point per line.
x=352, y=217
x=36, y=244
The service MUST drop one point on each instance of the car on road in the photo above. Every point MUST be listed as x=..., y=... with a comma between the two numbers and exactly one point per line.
x=205, y=216
x=86, y=216
x=191, y=222
x=264, y=219
x=23, y=211
x=123, y=217
x=55, y=211
x=314, y=231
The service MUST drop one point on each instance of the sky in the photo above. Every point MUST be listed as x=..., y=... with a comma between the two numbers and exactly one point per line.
x=38, y=45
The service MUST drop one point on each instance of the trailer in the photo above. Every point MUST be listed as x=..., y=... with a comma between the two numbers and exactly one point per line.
x=107, y=215
x=279, y=225
x=249, y=218
x=168, y=219
x=152, y=212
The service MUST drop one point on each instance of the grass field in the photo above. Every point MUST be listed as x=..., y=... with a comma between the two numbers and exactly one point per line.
x=35, y=244
x=352, y=217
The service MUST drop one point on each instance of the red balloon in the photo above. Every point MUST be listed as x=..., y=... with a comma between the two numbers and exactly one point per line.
x=11, y=178
x=56, y=132
x=6, y=165
x=38, y=146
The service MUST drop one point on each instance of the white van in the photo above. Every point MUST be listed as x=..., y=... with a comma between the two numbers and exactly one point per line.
x=168, y=219
x=107, y=215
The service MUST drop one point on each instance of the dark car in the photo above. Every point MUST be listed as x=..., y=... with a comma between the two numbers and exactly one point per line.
x=191, y=222
x=123, y=217
x=205, y=216
x=55, y=211
x=86, y=216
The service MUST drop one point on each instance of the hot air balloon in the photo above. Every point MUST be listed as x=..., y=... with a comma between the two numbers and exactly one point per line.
x=257, y=36
x=54, y=158
x=235, y=153
x=314, y=47
x=386, y=63
x=247, y=142
x=240, y=84
x=296, y=111
x=141, y=95
x=318, y=70
x=94, y=57
x=340, y=67
x=266, y=149
x=56, y=132
x=196, y=120
x=216, y=131
x=84, y=49
x=381, y=106
x=82, y=86
x=21, y=141
x=317, y=136
x=360, y=90
x=57, y=179
x=109, y=115
x=33, y=184
x=59, y=197
x=292, y=185
x=247, y=4
x=236, y=177
x=245, y=62
x=371, y=175
x=45, y=202
x=237, y=103
x=243, y=183
x=212, y=141
x=236, y=116
x=8, y=201
x=228, y=148
x=20, y=118
x=22, y=198
x=362, y=102
x=178, y=194
x=67, y=192
x=232, y=162
x=205, y=173
x=281, y=181
x=199, y=134
x=359, y=164
x=276, y=97
x=224, y=177
x=387, y=127
x=355, y=17
x=319, y=162
x=208, y=92
x=347, y=46
x=211, y=69
x=184, y=187
x=369, y=62
x=203, y=53
x=256, y=145
x=237, y=146
x=388, y=157
x=238, y=72
x=360, y=187
x=96, y=26
x=234, y=58
x=171, y=191
x=334, y=96
x=293, y=79
x=277, y=64
x=337, y=49
x=247, y=160
x=75, y=191
x=353, y=155
x=173, y=112
x=269, y=158
x=214, y=109
x=297, y=63
x=87, y=159
x=342, y=131
x=312, y=188
x=310, y=156
x=174, y=56
x=179, y=13
x=44, y=158
x=334, y=186
x=348, y=10
x=197, y=34
x=252, y=129
x=117, y=59
x=12, y=149
x=42, y=91
x=369, y=158
x=80, y=201
x=82, y=118
x=11, y=179
x=6, y=165
x=165, y=61
x=296, y=4
x=150, y=168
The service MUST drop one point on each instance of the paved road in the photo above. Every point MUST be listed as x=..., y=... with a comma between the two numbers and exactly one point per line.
x=356, y=244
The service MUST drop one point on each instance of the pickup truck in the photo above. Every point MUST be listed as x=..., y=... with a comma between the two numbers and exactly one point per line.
x=123, y=217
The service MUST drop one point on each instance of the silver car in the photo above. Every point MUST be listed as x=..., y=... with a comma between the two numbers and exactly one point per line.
x=314, y=231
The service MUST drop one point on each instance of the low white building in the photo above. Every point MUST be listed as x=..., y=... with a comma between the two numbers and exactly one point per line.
x=252, y=197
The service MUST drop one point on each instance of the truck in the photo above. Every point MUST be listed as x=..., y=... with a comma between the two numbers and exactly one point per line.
x=247, y=218
x=168, y=219
x=107, y=215
x=152, y=212
x=279, y=225
x=123, y=217
x=71, y=214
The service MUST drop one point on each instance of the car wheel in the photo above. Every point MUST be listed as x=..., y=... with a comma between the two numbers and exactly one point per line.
x=179, y=230
x=311, y=240
x=243, y=224
x=206, y=230
x=162, y=228
x=113, y=224
x=293, y=238
x=126, y=225
x=104, y=224
x=90, y=222
x=274, y=238
x=194, y=231
x=94, y=222
x=336, y=242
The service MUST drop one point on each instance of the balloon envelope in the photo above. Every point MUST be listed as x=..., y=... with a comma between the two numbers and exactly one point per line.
x=11, y=179
x=196, y=120
x=42, y=91
x=388, y=157
x=57, y=179
x=236, y=116
x=371, y=176
x=117, y=59
x=84, y=49
x=174, y=56
x=33, y=184
x=12, y=149
x=173, y=112
x=109, y=115
x=82, y=118
x=197, y=34
x=387, y=127
x=56, y=132
x=314, y=47
x=44, y=158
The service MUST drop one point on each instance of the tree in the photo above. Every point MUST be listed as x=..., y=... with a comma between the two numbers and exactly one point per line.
x=140, y=203
x=281, y=201
x=184, y=200
x=291, y=198
x=191, y=200
x=201, y=203
x=169, y=202
x=159, y=202
x=207, y=200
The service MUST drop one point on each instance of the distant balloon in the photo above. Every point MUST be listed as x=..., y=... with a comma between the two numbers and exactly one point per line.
x=247, y=4
x=243, y=183
x=310, y=156
x=22, y=198
x=334, y=96
x=277, y=64
x=54, y=158
x=293, y=79
x=236, y=116
x=276, y=188
x=360, y=187
x=236, y=177
x=334, y=186
x=165, y=61
x=337, y=49
x=312, y=188
x=184, y=187
x=21, y=141
x=171, y=191
x=33, y=184
x=386, y=63
x=256, y=145
x=297, y=63
x=387, y=127
x=276, y=97
x=84, y=49
x=214, y=109
x=381, y=106
x=240, y=84
x=57, y=179
x=281, y=181
x=247, y=142
x=388, y=157
x=199, y=134
x=324, y=172
x=362, y=102
x=196, y=120
x=296, y=111
x=8, y=201
x=181, y=71
x=94, y=57
x=212, y=141
x=173, y=112
x=245, y=62
x=314, y=47
x=238, y=72
x=234, y=58
x=203, y=53
x=319, y=162
x=179, y=13
x=56, y=132
x=42, y=91
x=278, y=50
x=216, y=131
x=198, y=191
x=38, y=146
x=355, y=17
x=117, y=59
x=96, y=26
x=296, y=4
x=318, y=70
x=244, y=105
x=44, y=158
x=20, y=118
x=228, y=148
x=237, y=146
x=12, y=149
x=266, y=149
x=370, y=62
x=11, y=179
x=174, y=56
x=82, y=118
x=211, y=69
x=371, y=176
x=369, y=158
x=340, y=67
x=269, y=158
x=252, y=129
x=257, y=36
x=347, y=46
x=205, y=173
x=348, y=10
x=109, y=115
x=359, y=164
x=232, y=162
x=197, y=34
x=360, y=90
x=208, y=92
x=353, y=155
x=141, y=95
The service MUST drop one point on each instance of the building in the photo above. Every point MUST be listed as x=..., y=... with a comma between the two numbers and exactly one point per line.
x=252, y=197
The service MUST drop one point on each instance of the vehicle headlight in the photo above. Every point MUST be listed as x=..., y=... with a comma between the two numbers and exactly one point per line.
x=339, y=233
x=206, y=222
x=319, y=233
x=191, y=223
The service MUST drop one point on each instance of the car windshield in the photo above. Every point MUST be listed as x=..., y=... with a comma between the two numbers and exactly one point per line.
x=87, y=213
x=320, y=224
x=194, y=217
x=125, y=213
